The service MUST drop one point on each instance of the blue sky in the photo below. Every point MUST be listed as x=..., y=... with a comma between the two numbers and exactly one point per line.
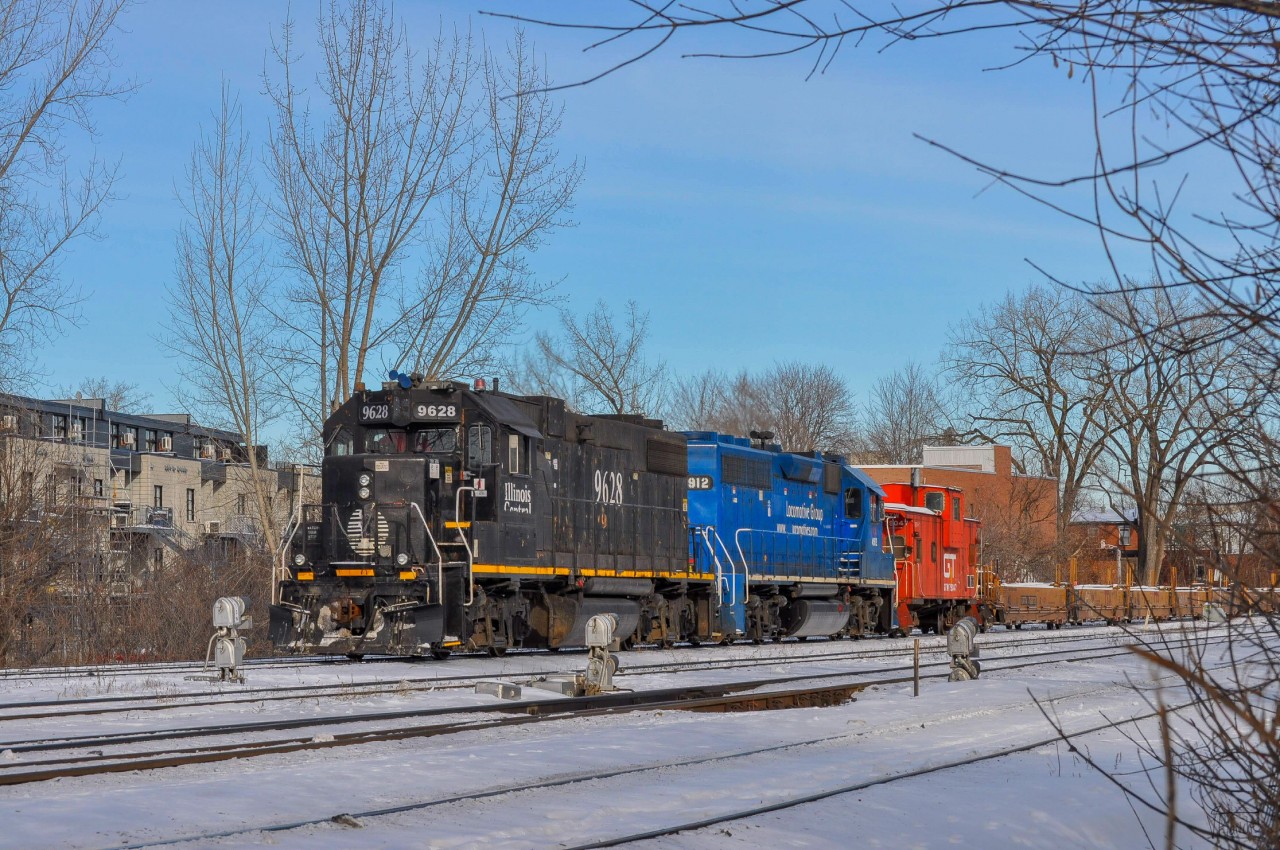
x=757, y=215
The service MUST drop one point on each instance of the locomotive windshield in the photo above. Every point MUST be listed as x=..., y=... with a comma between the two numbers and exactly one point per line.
x=436, y=441
x=384, y=441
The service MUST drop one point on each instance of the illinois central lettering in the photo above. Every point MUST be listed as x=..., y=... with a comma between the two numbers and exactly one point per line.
x=517, y=499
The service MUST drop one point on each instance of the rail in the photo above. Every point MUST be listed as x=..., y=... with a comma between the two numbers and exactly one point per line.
x=466, y=544
x=439, y=557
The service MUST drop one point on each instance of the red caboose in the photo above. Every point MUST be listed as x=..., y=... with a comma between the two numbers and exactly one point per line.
x=935, y=551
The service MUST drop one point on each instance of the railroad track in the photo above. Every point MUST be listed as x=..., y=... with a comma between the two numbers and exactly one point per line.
x=102, y=705
x=558, y=781
x=775, y=692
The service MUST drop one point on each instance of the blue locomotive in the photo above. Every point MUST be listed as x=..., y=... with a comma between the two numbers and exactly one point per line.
x=795, y=540
x=458, y=516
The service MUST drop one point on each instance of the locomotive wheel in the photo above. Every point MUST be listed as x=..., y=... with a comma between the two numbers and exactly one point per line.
x=497, y=651
x=356, y=656
x=438, y=652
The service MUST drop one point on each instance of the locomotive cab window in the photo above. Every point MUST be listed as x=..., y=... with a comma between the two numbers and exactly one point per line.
x=384, y=441
x=517, y=455
x=935, y=502
x=853, y=503
x=479, y=446
x=342, y=443
x=435, y=441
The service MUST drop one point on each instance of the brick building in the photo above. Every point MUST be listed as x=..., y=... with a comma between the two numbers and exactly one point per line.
x=1019, y=512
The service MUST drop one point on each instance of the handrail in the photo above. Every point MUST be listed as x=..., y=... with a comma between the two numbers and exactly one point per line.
x=733, y=569
x=295, y=522
x=705, y=532
x=466, y=544
x=439, y=556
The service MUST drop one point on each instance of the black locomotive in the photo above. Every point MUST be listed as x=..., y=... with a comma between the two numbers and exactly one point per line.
x=454, y=516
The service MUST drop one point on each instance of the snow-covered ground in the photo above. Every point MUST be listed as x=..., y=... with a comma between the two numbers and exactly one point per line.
x=667, y=768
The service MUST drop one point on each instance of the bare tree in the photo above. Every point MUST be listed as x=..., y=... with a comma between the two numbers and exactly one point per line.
x=805, y=406
x=55, y=62
x=1205, y=74
x=903, y=412
x=511, y=194
x=698, y=401
x=119, y=396
x=1024, y=366
x=409, y=189
x=220, y=321
x=356, y=175
x=598, y=364
x=1169, y=411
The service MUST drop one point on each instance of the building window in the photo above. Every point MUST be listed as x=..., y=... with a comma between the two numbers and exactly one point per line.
x=149, y=440
x=157, y=494
x=81, y=430
x=59, y=426
x=1126, y=536
x=241, y=504
x=157, y=558
x=191, y=505
x=98, y=487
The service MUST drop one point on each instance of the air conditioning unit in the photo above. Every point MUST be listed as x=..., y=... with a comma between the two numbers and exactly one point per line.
x=128, y=441
x=166, y=443
x=9, y=423
x=225, y=454
x=213, y=527
x=208, y=451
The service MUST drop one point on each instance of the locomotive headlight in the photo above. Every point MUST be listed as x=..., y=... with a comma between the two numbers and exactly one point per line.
x=299, y=559
x=363, y=493
x=365, y=479
x=402, y=559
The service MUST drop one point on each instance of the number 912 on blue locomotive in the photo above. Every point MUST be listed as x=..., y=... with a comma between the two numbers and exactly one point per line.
x=451, y=516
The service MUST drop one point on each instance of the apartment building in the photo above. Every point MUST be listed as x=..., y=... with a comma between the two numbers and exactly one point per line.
x=158, y=484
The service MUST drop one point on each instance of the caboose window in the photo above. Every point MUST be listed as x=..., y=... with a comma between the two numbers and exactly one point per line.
x=955, y=507
x=436, y=441
x=933, y=551
x=853, y=503
x=935, y=501
x=479, y=445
